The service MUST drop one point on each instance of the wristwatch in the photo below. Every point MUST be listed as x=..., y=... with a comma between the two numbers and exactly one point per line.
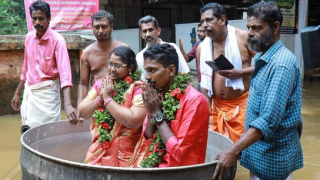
x=158, y=118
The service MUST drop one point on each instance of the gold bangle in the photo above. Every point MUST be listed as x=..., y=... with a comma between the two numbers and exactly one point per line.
x=151, y=120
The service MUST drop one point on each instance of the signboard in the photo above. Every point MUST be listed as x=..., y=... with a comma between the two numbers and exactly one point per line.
x=67, y=14
x=288, y=9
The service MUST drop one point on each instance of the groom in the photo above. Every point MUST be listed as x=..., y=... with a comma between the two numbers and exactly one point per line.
x=183, y=130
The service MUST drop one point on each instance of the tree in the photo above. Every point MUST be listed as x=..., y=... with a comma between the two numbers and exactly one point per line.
x=12, y=17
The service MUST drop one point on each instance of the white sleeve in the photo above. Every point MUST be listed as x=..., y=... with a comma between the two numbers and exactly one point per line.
x=140, y=63
x=183, y=66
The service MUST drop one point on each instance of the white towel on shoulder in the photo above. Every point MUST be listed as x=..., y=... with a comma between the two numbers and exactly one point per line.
x=205, y=70
x=232, y=53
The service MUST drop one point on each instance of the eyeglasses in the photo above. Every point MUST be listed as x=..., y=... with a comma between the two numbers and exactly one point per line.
x=115, y=65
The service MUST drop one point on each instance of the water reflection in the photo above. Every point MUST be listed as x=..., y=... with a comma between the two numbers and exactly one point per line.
x=10, y=141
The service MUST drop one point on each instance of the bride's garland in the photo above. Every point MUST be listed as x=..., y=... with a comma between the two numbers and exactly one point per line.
x=103, y=119
x=171, y=104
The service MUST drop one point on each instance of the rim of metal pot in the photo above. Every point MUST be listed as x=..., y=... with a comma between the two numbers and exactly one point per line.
x=63, y=161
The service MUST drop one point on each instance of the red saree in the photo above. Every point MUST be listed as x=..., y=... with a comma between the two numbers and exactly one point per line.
x=124, y=142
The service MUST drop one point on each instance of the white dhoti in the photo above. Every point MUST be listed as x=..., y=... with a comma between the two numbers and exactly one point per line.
x=254, y=177
x=41, y=103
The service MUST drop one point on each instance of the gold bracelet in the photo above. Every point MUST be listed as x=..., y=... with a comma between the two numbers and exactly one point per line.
x=151, y=120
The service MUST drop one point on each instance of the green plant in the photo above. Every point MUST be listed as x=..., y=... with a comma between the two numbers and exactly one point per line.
x=103, y=118
x=12, y=17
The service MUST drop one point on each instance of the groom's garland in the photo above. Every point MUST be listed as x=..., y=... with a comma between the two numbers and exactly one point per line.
x=171, y=104
x=103, y=119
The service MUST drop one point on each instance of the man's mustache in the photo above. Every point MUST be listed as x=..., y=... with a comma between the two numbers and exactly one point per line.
x=101, y=34
x=38, y=26
x=149, y=38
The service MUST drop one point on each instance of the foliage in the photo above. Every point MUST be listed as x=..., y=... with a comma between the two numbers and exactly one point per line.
x=171, y=104
x=12, y=17
x=103, y=119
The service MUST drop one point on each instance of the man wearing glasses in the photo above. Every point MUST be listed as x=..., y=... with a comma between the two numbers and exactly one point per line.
x=96, y=56
x=192, y=54
x=150, y=32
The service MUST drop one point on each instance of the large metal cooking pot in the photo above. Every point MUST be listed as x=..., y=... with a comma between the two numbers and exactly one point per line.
x=56, y=151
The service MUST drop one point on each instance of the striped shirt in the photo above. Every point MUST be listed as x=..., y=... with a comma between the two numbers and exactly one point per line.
x=274, y=107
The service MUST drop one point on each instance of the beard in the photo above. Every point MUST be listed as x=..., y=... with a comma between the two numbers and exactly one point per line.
x=261, y=44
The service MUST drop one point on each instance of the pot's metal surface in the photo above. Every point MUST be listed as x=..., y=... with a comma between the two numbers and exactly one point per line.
x=56, y=151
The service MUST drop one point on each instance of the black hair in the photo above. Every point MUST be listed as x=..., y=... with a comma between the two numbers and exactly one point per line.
x=148, y=19
x=42, y=6
x=266, y=11
x=164, y=54
x=127, y=55
x=101, y=15
x=217, y=10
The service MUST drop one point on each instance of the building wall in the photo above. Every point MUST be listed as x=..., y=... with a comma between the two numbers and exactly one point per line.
x=11, y=60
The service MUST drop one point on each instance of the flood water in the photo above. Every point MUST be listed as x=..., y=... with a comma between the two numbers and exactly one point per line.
x=10, y=140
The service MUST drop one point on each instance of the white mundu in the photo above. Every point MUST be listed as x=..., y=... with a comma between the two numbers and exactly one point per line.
x=183, y=66
x=41, y=103
x=254, y=177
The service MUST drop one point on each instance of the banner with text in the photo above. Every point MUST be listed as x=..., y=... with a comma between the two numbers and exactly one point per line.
x=67, y=14
x=288, y=9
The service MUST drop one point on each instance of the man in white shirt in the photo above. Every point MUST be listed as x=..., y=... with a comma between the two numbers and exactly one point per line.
x=150, y=32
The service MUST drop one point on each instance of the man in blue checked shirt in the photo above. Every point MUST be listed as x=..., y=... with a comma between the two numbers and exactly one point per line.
x=271, y=147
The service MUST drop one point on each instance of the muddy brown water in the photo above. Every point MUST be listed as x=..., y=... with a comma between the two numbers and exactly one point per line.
x=10, y=140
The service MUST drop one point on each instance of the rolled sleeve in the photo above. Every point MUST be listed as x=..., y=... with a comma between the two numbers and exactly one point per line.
x=63, y=64
x=23, y=76
x=263, y=126
x=192, y=53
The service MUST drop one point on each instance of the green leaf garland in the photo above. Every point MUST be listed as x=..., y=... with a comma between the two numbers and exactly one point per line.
x=103, y=119
x=170, y=106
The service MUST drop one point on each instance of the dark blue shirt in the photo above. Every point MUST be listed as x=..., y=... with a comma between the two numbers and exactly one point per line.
x=274, y=107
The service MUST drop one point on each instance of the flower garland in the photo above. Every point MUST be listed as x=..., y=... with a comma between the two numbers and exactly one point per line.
x=103, y=119
x=171, y=104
